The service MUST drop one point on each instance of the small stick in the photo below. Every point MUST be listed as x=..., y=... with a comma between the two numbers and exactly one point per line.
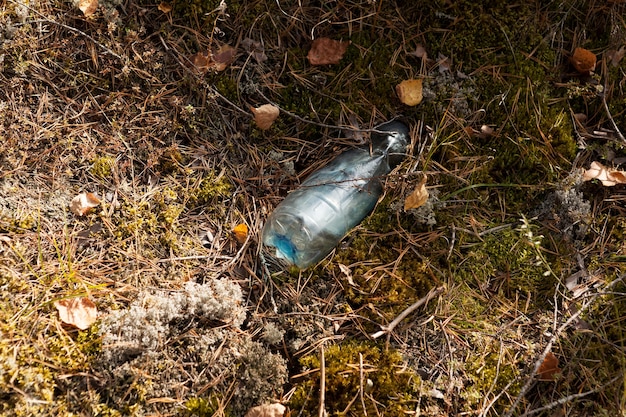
x=389, y=328
x=553, y=339
x=322, y=411
x=361, y=378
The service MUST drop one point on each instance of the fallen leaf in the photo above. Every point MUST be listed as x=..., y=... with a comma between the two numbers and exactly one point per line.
x=216, y=61
x=241, y=232
x=224, y=56
x=265, y=115
x=267, y=410
x=608, y=177
x=410, y=92
x=201, y=62
x=445, y=63
x=616, y=56
x=80, y=312
x=549, y=367
x=418, y=197
x=583, y=60
x=485, y=131
x=254, y=48
x=326, y=51
x=165, y=7
x=83, y=203
x=88, y=7
x=348, y=273
x=420, y=52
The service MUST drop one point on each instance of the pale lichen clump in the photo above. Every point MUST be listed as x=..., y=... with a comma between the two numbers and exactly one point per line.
x=172, y=343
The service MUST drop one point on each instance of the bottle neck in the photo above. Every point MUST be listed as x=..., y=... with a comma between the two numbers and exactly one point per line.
x=391, y=142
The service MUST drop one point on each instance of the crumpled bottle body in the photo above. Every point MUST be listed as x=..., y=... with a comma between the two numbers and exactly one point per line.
x=314, y=218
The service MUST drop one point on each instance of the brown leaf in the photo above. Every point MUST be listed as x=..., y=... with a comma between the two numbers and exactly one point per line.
x=255, y=49
x=267, y=410
x=224, y=56
x=80, y=312
x=216, y=61
x=165, y=7
x=201, y=62
x=583, y=60
x=265, y=115
x=549, y=368
x=420, y=52
x=608, y=177
x=418, y=197
x=88, y=7
x=241, y=232
x=616, y=56
x=410, y=92
x=83, y=203
x=326, y=51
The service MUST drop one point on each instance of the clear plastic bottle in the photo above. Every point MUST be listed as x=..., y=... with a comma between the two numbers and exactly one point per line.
x=313, y=219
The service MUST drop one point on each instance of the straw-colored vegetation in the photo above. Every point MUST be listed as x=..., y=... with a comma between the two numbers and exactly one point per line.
x=524, y=258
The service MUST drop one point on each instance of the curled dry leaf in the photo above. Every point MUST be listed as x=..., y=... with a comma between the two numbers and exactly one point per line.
x=88, y=7
x=608, y=177
x=216, y=61
x=265, y=115
x=420, y=52
x=348, y=274
x=326, y=51
x=410, y=92
x=583, y=60
x=549, y=368
x=267, y=410
x=80, y=312
x=83, y=202
x=165, y=7
x=418, y=197
x=241, y=232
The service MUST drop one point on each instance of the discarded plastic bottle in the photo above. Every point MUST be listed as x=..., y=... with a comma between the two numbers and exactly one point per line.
x=313, y=219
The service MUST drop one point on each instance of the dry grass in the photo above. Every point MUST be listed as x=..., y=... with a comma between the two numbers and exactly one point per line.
x=109, y=104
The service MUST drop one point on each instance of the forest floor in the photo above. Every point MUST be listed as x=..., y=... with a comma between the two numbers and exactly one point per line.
x=155, y=301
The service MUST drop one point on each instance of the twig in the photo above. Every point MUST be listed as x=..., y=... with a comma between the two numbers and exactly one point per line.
x=302, y=119
x=322, y=410
x=361, y=387
x=553, y=339
x=569, y=398
x=389, y=328
x=608, y=112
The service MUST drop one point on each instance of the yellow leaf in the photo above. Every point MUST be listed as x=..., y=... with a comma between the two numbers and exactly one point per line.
x=80, y=312
x=88, y=7
x=265, y=115
x=83, y=202
x=418, y=197
x=241, y=232
x=410, y=92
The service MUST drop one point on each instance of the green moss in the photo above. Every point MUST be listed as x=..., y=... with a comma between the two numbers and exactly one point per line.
x=511, y=262
x=102, y=166
x=201, y=407
x=393, y=387
x=211, y=188
x=492, y=369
